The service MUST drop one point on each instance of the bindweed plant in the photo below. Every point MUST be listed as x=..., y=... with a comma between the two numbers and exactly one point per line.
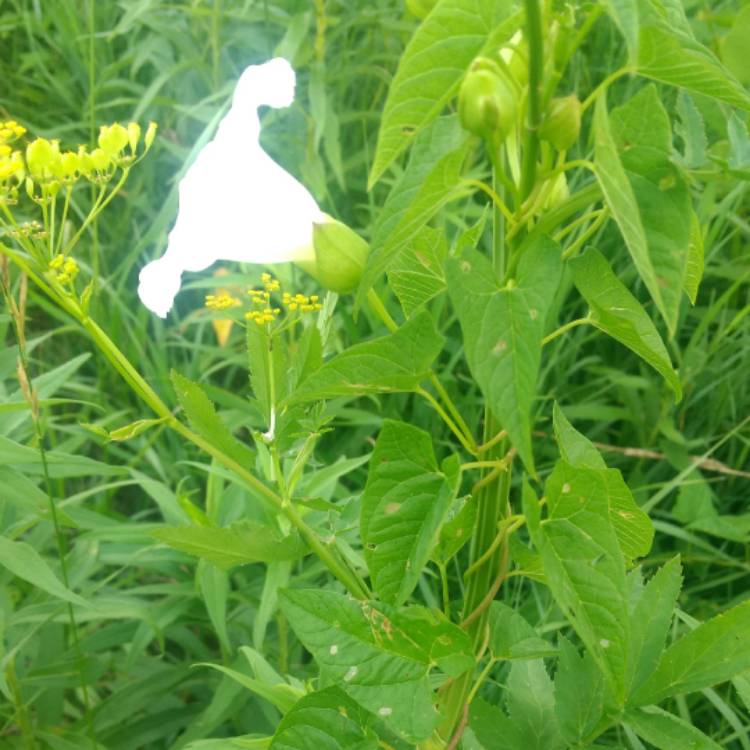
x=419, y=594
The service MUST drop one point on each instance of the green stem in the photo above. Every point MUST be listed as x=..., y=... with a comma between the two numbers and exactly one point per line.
x=562, y=329
x=435, y=404
x=534, y=112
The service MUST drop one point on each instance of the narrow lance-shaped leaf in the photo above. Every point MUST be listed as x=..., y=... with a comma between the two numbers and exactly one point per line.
x=430, y=71
x=667, y=731
x=642, y=131
x=431, y=179
x=403, y=505
x=672, y=57
x=239, y=544
x=621, y=200
x=616, y=312
x=396, y=362
x=503, y=328
x=714, y=652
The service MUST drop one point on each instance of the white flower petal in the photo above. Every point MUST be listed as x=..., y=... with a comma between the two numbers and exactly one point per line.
x=236, y=203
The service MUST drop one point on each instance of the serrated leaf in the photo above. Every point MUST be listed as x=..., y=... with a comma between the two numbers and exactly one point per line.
x=633, y=527
x=714, y=652
x=739, y=144
x=239, y=544
x=672, y=57
x=396, y=362
x=502, y=331
x=511, y=636
x=650, y=620
x=417, y=274
x=584, y=566
x=667, y=731
x=206, y=422
x=579, y=693
x=358, y=648
x=490, y=725
x=734, y=46
x=24, y=562
x=616, y=312
x=403, y=506
x=325, y=720
x=430, y=71
x=431, y=179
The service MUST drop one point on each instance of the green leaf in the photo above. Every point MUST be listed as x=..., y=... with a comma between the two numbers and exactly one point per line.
x=579, y=694
x=739, y=145
x=374, y=662
x=633, y=527
x=692, y=130
x=625, y=14
x=456, y=529
x=694, y=267
x=734, y=47
x=431, y=179
x=396, y=362
x=667, y=731
x=621, y=199
x=584, y=566
x=616, y=312
x=264, y=358
x=431, y=68
x=416, y=276
x=239, y=544
x=670, y=56
x=503, y=328
x=325, y=720
x=403, y=506
x=24, y=562
x=206, y=422
x=575, y=448
x=531, y=708
x=650, y=620
x=511, y=636
x=490, y=725
x=642, y=132
x=714, y=652
x=134, y=429
x=28, y=460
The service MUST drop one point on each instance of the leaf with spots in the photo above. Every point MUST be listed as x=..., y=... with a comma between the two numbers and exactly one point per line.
x=325, y=720
x=396, y=362
x=502, y=330
x=375, y=661
x=584, y=566
x=633, y=527
x=714, y=652
x=404, y=503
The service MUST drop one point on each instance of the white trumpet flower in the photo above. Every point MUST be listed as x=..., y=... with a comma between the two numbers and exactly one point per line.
x=235, y=202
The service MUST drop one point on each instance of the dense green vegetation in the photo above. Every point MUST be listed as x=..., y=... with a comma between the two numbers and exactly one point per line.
x=536, y=309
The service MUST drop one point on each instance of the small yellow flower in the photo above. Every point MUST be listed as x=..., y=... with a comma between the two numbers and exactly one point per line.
x=64, y=269
x=222, y=301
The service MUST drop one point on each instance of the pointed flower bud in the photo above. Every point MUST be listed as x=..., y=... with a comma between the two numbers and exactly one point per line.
x=113, y=139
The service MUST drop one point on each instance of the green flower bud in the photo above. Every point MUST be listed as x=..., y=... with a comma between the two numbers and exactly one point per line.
x=420, y=8
x=562, y=123
x=516, y=57
x=100, y=159
x=134, y=135
x=148, y=139
x=558, y=194
x=486, y=104
x=113, y=138
x=340, y=256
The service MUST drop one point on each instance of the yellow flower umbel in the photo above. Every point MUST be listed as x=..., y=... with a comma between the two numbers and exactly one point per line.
x=12, y=167
x=221, y=301
x=64, y=269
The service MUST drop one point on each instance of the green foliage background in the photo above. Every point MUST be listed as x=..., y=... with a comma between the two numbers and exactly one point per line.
x=154, y=617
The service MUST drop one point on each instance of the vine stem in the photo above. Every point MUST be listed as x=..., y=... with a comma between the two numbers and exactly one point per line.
x=534, y=111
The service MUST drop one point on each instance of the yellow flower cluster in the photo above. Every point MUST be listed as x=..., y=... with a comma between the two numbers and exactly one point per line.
x=261, y=299
x=64, y=269
x=221, y=301
x=46, y=166
x=301, y=302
